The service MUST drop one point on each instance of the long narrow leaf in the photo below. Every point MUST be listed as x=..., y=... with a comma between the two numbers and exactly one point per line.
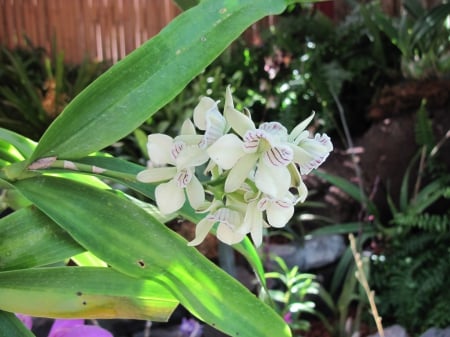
x=11, y=326
x=132, y=90
x=84, y=292
x=30, y=239
x=24, y=145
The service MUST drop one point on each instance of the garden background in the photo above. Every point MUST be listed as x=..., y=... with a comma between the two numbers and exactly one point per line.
x=377, y=76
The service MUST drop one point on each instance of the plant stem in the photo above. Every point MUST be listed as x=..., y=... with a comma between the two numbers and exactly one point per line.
x=361, y=276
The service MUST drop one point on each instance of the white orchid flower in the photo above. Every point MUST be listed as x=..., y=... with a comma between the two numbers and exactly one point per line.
x=309, y=153
x=278, y=213
x=227, y=231
x=208, y=118
x=183, y=154
x=261, y=152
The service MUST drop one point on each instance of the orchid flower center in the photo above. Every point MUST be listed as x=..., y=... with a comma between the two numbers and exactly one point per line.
x=183, y=178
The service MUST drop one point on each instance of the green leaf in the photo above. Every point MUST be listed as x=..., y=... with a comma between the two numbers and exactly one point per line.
x=11, y=326
x=430, y=23
x=133, y=242
x=30, y=239
x=87, y=259
x=343, y=228
x=135, y=88
x=125, y=172
x=84, y=292
x=351, y=189
x=24, y=145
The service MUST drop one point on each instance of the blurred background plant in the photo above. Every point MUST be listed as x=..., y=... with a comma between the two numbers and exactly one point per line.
x=297, y=294
x=35, y=87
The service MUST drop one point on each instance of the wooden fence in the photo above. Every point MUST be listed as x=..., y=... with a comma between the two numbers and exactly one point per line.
x=98, y=29
x=109, y=29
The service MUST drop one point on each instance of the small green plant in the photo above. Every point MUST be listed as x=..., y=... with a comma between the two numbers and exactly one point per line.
x=298, y=295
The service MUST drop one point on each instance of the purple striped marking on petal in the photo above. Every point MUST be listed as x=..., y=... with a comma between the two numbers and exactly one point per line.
x=183, y=178
x=177, y=147
x=279, y=155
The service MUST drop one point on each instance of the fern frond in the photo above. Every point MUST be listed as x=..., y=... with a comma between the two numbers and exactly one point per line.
x=437, y=223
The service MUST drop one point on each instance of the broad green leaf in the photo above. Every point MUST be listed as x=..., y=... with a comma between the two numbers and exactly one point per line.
x=11, y=326
x=84, y=292
x=132, y=90
x=133, y=242
x=125, y=173
x=30, y=239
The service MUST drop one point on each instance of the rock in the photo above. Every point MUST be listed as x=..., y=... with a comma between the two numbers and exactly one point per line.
x=393, y=331
x=434, y=332
x=315, y=253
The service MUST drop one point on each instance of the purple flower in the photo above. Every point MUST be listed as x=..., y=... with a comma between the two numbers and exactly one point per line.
x=69, y=328
x=288, y=317
x=190, y=328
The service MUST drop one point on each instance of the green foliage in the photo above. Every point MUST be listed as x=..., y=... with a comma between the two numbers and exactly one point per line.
x=424, y=129
x=412, y=281
x=411, y=275
x=56, y=187
x=295, y=295
x=421, y=36
x=35, y=87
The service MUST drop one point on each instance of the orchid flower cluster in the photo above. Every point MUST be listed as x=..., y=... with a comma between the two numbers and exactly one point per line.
x=255, y=173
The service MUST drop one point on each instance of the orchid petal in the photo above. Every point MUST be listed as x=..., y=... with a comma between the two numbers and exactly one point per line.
x=226, y=151
x=252, y=215
x=236, y=119
x=156, y=174
x=275, y=129
x=240, y=172
x=257, y=232
x=302, y=191
x=312, y=152
x=273, y=180
x=195, y=193
x=82, y=331
x=169, y=197
x=229, y=222
x=159, y=147
x=280, y=155
x=201, y=230
x=253, y=223
x=191, y=156
x=189, y=139
x=187, y=128
x=279, y=212
x=26, y=320
x=298, y=130
x=216, y=127
x=228, y=235
x=60, y=324
x=205, y=105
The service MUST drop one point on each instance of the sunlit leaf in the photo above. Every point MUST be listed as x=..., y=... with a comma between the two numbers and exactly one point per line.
x=84, y=292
